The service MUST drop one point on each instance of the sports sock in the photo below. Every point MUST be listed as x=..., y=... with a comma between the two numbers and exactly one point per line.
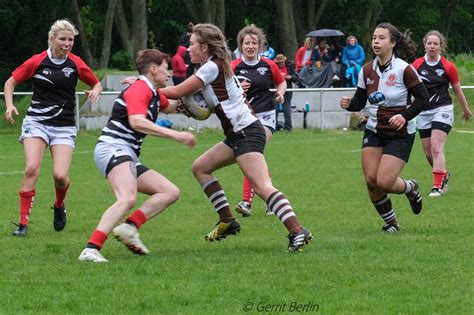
x=438, y=177
x=247, y=191
x=384, y=208
x=61, y=195
x=26, y=204
x=97, y=239
x=137, y=218
x=281, y=207
x=409, y=186
x=217, y=197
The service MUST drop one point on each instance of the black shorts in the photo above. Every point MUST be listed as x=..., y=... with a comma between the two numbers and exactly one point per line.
x=122, y=159
x=438, y=125
x=400, y=146
x=250, y=139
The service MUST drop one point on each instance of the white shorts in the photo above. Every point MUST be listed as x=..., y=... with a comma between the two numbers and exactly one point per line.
x=50, y=134
x=442, y=114
x=105, y=152
x=268, y=119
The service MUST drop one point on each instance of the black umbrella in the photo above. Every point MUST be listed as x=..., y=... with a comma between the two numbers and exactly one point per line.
x=325, y=32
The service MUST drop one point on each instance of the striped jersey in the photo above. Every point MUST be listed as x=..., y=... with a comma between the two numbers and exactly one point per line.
x=54, y=87
x=262, y=75
x=227, y=96
x=436, y=77
x=139, y=98
x=394, y=83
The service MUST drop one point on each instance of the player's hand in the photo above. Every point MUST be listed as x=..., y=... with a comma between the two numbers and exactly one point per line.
x=9, y=114
x=345, y=102
x=187, y=139
x=129, y=80
x=245, y=85
x=467, y=115
x=279, y=98
x=92, y=95
x=397, y=121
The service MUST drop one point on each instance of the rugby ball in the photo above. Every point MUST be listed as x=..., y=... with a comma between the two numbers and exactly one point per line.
x=197, y=106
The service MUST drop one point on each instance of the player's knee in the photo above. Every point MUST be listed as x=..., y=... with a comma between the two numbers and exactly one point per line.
x=60, y=178
x=173, y=193
x=385, y=183
x=127, y=202
x=436, y=150
x=32, y=170
x=371, y=183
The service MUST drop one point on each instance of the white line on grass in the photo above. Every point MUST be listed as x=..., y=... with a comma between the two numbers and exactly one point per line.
x=464, y=131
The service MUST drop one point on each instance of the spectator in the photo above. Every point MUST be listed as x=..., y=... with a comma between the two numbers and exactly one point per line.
x=268, y=52
x=184, y=41
x=288, y=72
x=322, y=56
x=179, y=66
x=304, y=55
x=353, y=57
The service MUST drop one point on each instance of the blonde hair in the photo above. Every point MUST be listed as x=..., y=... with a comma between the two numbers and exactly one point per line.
x=309, y=40
x=211, y=35
x=442, y=39
x=58, y=26
x=251, y=30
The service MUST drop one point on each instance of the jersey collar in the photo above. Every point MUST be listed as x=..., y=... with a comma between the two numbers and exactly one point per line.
x=56, y=61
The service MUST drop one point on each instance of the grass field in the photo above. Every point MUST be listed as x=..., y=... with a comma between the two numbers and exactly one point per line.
x=350, y=267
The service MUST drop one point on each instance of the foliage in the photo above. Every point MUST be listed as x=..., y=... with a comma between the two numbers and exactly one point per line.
x=121, y=60
x=350, y=267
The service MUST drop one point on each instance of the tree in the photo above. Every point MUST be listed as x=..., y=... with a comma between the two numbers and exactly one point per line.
x=134, y=37
x=86, y=52
x=286, y=27
x=109, y=20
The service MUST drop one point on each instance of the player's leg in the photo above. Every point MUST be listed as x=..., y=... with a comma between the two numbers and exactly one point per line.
x=219, y=156
x=34, y=148
x=162, y=193
x=439, y=136
x=61, y=155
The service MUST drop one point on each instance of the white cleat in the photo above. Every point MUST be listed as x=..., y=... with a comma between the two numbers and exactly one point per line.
x=92, y=254
x=127, y=234
x=436, y=192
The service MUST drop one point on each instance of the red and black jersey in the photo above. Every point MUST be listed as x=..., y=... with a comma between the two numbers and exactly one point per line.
x=262, y=76
x=436, y=79
x=54, y=87
x=139, y=98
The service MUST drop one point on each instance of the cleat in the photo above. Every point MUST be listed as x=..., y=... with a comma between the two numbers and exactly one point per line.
x=244, y=208
x=415, y=198
x=391, y=228
x=221, y=230
x=299, y=240
x=59, y=220
x=436, y=192
x=92, y=254
x=269, y=211
x=128, y=235
x=21, y=229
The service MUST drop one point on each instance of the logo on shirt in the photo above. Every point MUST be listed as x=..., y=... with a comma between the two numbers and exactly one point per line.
x=243, y=71
x=369, y=81
x=424, y=73
x=439, y=72
x=67, y=72
x=391, y=80
x=46, y=71
x=262, y=70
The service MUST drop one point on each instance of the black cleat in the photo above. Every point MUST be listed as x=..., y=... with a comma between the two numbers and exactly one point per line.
x=391, y=228
x=299, y=240
x=59, y=221
x=221, y=230
x=415, y=198
x=21, y=230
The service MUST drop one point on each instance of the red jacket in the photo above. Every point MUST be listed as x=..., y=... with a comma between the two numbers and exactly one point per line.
x=299, y=58
x=177, y=63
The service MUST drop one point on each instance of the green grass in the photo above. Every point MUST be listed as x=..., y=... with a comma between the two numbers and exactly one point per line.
x=350, y=267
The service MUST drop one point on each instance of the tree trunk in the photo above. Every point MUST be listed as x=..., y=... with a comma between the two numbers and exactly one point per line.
x=123, y=29
x=368, y=23
x=447, y=14
x=109, y=21
x=318, y=15
x=220, y=14
x=286, y=27
x=139, y=26
x=191, y=11
x=86, y=51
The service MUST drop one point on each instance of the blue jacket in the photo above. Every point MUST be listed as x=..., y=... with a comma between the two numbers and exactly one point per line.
x=354, y=54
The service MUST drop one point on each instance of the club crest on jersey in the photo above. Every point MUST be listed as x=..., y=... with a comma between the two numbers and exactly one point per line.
x=262, y=70
x=439, y=72
x=369, y=81
x=391, y=80
x=67, y=71
x=46, y=71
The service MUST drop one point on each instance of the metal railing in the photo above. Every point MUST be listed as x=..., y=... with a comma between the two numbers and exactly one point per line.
x=303, y=90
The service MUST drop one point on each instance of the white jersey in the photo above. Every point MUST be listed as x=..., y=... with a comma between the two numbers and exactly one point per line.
x=227, y=96
x=394, y=83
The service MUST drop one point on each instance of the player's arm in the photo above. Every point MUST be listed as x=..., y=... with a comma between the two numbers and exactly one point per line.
x=190, y=86
x=139, y=123
x=8, y=89
x=462, y=99
x=357, y=102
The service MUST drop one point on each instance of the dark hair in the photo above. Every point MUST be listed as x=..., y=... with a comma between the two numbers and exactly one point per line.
x=212, y=36
x=148, y=57
x=404, y=46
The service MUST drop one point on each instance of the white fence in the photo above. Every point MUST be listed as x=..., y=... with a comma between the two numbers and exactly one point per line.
x=324, y=111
